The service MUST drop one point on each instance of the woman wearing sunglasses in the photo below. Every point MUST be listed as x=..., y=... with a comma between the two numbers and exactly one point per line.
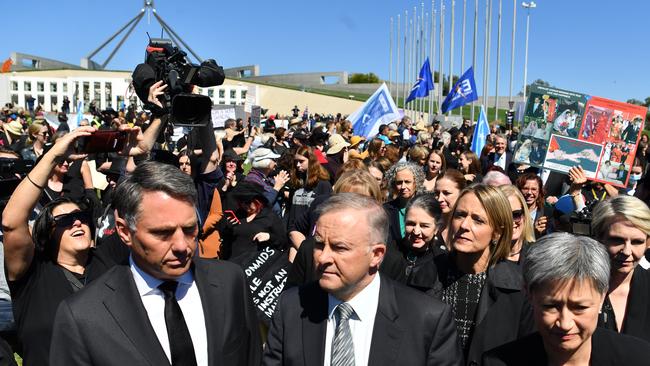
x=56, y=258
x=522, y=229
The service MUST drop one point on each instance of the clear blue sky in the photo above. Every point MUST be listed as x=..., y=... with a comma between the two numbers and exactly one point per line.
x=597, y=47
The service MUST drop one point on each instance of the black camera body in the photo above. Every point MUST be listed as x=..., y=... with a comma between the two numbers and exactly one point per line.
x=581, y=221
x=164, y=61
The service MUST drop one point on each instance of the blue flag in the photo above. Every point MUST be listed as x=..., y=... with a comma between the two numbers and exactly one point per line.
x=423, y=84
x=481, y=132
x=378, y=109
x=463, y=92
x=80, y=111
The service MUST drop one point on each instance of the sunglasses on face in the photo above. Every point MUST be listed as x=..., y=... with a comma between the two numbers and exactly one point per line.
x=517, y=215
x=67, y=220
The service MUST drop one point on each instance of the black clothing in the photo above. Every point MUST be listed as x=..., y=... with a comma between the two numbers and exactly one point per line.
x=302, y=199
x=205, y=184
x=238, y=239
x=463, y=295
x=607, y=348
x=37, y=294
x=393, y=211
x=503, y=312
x=637, y=312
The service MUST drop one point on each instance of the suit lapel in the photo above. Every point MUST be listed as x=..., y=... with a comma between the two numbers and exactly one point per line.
x=213, y=311
x=314, y=303
x=126, y=307
x=387, y=333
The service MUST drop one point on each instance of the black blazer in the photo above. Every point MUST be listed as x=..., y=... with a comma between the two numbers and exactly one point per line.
x=488, y=161
x=394, y=231
x=107, y=324
x=410, y=329
x=607, y=348
x=637, y=312
x=503, y=313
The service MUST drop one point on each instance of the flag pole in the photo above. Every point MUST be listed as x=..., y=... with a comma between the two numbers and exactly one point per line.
x=451, y=49
x=432, y=55
x=474, y=48
x=397, y=68
x=442, y=54
x=390, y=57
x=496, y=92
x=462, y=47
x=487, y=86
x=414, y=55
x=485, y=52
x=512, y=51
x=423, y=46
x=404, y=80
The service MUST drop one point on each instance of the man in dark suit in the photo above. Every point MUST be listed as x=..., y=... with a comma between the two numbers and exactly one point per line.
x=166, y=307
x=631, y=132
x=500, y=157
x=352, y=315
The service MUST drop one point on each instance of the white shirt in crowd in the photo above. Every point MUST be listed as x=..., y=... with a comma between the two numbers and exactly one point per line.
x=361, y=323
x=189, y=300
x=501, y=161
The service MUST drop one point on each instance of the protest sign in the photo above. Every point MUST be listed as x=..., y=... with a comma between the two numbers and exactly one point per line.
x=266, y=273
x=256, y=114
x=221, y=113
x=562, y=129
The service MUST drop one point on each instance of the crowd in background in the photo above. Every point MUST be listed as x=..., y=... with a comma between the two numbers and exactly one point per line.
x=461, y=224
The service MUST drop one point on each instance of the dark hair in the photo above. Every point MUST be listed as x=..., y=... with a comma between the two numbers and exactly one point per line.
x=521, y=182
x=315, y=171
x=279, y=133
x=426, y=202
x=454, y=176
x=46, y=245
x=374, y=147
x=442, y=159
x=475, y=165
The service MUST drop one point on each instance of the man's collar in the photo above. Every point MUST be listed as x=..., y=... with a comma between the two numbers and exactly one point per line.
x=364, y=303
x=147, y=283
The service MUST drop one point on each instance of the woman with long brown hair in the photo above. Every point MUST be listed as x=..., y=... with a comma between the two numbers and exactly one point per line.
x=308, y=180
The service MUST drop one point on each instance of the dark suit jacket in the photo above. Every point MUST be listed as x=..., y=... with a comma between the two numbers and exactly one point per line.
x=637, y=312
x=503, y=312
x=394, y=231
x=107, y=324
x=607, y=348
x=410, y=329
x=488, y=161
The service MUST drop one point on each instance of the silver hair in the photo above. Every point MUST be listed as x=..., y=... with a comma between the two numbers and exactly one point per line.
x=495, y=179
x=565, y=257
x=151, y=176
x=374, y=212
x=418, y=174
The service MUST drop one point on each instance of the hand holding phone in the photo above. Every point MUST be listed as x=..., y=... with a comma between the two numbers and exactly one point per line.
x=103, y=141
x=231, y=217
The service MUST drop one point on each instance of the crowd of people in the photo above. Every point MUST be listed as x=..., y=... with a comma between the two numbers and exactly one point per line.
x=402, y=248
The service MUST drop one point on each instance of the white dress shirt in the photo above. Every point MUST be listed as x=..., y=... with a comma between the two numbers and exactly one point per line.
x=189, y=300
x=500, y=161
x=361, y=322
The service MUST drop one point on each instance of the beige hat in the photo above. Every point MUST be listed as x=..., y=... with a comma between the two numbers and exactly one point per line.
x=15, y=127
x=420, y=126
x=337, y=143
x=295, y=121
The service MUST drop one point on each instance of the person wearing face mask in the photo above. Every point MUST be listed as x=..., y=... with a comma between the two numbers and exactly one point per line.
x=636, y=174
x=622, y=225
x=405, y=180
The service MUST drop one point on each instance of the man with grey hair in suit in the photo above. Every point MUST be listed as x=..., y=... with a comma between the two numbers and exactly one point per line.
x=352, y=315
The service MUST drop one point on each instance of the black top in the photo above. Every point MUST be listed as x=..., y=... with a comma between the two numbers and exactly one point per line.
x=238, y=239
x=607, y=348
x=302, y=199
x=37, y=294
x=637, y=311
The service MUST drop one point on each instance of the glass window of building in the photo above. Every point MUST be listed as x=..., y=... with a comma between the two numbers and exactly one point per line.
x=233, y=94
x=14, y=86
x=86, y=91
x=27, y=86
x=41, y=100
x=53, y=103
x=233, y=103
x=40, y=86
x=109, y=92
x=53, y=87
x=211, y=92
x=222, y=102
x=222, y=93
x=243, y=94
x=65, y=87
x=14, y=99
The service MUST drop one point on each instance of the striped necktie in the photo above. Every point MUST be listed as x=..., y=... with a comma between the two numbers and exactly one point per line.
x=342, y=345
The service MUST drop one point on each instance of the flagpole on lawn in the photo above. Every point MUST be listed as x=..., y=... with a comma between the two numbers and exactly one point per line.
x=409, y=73
x=512, y=51
x=489, y=59
x=474, y=47
x=485, y=52
x=496, y=93
x=390, y=53
x=423, y=51
x=414, y=55
x=432, y=53
x=442, y=54
x=462, y=47
x=451, y=49
x=397, y=68
x=405, y=61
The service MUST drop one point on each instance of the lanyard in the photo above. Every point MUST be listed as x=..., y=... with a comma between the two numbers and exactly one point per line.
x=596, y=197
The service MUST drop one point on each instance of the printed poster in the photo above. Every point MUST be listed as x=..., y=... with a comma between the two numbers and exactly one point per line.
x=561, y=129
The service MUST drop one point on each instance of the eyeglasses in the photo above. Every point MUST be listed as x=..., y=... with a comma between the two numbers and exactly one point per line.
x=44, y=134
x=67, y=220
x=517, y=215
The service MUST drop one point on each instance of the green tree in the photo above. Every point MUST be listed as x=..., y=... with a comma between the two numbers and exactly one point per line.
x=634, y=101
x=536, y=82
x=359, y=78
